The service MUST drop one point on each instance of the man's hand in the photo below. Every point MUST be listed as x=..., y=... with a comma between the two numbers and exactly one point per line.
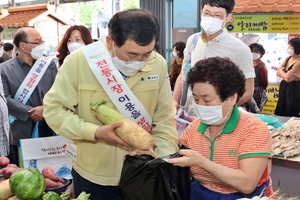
x=107, y=133
x=36, y=113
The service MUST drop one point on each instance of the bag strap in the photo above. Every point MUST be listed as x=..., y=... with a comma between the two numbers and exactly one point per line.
x=187, y=66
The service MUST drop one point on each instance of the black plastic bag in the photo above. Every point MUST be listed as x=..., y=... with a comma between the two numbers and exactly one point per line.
x=146, y=178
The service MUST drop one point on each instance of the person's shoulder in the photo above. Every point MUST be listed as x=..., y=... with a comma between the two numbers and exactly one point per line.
x=8, y=63
x=192, y=37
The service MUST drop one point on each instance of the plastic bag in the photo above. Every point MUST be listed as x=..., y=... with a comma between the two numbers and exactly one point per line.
x=146, y=178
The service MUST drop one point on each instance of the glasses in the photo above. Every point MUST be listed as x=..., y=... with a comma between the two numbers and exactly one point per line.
x=216, y=16
x=43, y=42
x=144, y=58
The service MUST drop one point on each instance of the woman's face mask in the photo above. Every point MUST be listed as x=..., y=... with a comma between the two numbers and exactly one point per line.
x=174, y=54
x=290, y=52
x=211, y=25
x=75, y=45
x=210, y=115
x=255, y=55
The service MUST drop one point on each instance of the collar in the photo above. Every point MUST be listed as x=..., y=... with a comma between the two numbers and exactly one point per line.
x=222, y=35
x=21, y=62
x=230, y=124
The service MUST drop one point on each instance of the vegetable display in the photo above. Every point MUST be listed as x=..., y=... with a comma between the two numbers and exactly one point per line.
x=5, y=191
x=30, y=184
x=129, y=131
x=52, y=180
x=50, y=196
x=4, y=161
x=27, y=184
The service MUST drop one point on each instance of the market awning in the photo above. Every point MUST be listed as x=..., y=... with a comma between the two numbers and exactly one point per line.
x=22, y=16
x=267, y=6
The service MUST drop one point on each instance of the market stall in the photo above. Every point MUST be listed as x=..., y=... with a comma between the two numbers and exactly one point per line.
x=286, y=153
x=279, y=20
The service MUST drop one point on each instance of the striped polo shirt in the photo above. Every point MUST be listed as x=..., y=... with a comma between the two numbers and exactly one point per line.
x=244, y=136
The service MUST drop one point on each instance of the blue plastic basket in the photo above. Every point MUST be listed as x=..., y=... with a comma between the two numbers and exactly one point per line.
x=268, y=119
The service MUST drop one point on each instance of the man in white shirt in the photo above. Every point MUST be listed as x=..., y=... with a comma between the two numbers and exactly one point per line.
x=214, y=40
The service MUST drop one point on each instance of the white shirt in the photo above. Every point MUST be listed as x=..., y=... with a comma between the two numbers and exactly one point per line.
x=224, y=45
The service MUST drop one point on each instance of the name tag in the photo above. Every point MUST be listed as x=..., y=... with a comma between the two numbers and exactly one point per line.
x=152, y=78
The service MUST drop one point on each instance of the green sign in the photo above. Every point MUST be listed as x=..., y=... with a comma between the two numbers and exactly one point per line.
x=256, y=23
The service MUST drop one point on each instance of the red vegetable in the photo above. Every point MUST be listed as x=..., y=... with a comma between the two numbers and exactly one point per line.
x=49, y=173
x=8, y=171
x=4, y=161
x=52, y=184
x=13, y=166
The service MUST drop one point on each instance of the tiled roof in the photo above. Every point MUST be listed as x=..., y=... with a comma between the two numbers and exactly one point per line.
x=266, y=6
x=20, y=16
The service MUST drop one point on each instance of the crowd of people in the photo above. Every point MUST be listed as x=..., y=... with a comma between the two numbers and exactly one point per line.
x=213, y=74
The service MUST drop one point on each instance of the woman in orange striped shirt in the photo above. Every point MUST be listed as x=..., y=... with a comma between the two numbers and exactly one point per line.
x=230, y=151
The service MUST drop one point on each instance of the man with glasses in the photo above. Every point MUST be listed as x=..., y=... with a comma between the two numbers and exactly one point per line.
x=125, y=71
x=214, y=40
x=26, y=79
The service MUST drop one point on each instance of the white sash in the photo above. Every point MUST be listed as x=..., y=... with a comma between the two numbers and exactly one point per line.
x=114, y=85
x=31, y=81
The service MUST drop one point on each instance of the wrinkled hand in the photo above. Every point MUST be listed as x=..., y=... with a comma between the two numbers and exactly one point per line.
x=140, y=152
x=107, y=133
x=36, y=113
x=190, y=158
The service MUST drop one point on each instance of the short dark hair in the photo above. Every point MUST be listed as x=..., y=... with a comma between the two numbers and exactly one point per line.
x=1, y=29
x=179, y=46
x=228, y=5
x=8, y=46
x=136, y=24
x=222, y=73
x=295, y=42
x=20, y=36
x=259, y=47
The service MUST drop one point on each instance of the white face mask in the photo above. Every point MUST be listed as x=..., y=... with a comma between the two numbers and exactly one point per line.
x=38, y=51
x=128, y=68
x=175, y=54
x=74, y=45
x=211, y=25
x=1, y=51
x=290, y=52
x=255, y=56
x=210, y=115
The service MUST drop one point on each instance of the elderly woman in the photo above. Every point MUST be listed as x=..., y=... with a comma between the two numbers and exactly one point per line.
x=230, y=151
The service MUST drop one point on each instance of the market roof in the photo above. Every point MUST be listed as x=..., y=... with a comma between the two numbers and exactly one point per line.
x=266, y=6
x=21, y=16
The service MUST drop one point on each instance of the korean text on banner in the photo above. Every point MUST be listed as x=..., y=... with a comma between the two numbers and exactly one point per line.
x=47, y=152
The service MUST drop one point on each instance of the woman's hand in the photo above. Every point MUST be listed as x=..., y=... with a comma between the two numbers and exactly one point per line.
x=107, y=133
x=190, y=158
